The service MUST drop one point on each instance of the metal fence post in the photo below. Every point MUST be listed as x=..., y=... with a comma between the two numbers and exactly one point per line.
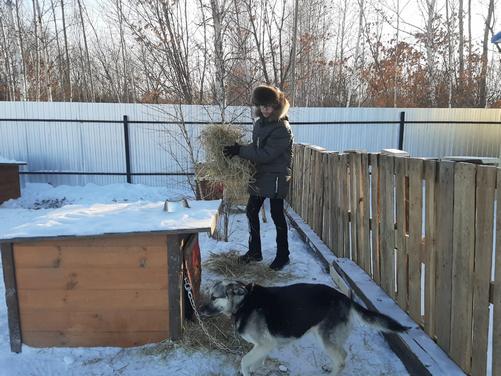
x=127, y=149
x=401, y=129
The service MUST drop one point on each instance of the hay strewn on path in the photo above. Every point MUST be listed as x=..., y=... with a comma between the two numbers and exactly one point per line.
x=227, y=265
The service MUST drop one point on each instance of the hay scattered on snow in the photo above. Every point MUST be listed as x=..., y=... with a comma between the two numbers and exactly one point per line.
x=235, y=172
x=228, y=266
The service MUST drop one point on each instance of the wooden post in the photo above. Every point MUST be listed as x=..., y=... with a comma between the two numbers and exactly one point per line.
x=415, y=170
x=484, y=221
x=9, y=277
x=343, y=230
x=444, y=230
x=462, y=264
x=364, y=214
x=387, y=225
x=430, y=172
x=375, y=219
x=354, y=166
x=496, y=337
x=401, y=232
x=175, y=285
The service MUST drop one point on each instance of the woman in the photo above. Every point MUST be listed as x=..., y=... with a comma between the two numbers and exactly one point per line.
x=271, y=153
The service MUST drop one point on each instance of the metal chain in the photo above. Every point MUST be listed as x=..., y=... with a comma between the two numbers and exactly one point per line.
x=187, y=287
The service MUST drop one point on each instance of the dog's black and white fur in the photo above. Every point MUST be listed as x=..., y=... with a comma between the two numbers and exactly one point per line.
x=271, y=316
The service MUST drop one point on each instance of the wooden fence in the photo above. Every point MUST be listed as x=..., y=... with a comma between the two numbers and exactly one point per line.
x=424, y=230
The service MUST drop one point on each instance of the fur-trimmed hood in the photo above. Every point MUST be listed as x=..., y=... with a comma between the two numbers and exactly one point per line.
x=266, y=94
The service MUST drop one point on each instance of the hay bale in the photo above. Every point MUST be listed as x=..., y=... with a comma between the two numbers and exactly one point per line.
x=235, y=173
x=228, y=266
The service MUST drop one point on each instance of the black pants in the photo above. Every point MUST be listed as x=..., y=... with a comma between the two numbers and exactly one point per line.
x=277, y=214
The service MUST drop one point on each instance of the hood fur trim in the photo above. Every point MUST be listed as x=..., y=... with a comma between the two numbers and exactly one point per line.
x=265, y=94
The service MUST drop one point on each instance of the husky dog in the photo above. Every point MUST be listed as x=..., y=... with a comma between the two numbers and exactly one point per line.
x=271, y=316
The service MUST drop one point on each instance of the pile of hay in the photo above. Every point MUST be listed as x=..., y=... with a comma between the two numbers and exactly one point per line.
x=235, y=173
x=228, y=266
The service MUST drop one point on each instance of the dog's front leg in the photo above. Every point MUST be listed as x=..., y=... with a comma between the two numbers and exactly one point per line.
x=253, y=357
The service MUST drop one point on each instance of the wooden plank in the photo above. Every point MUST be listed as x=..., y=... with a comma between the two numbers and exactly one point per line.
x=89, y=339
x=430, y=174
x=363, y=233
x=415, y=171
x=343, y=231
x=496, y=327
x=96, y=320
x=306, y=183
x=444, y=250
x=81, y=255
x=327, y=200
x=318, y=193
x=11, y=296
x=402, y=214
x=354, y=193
x=387, y=225
x=91, y=279
x=375, y=218
x=88, y=300
x=175, y=285
x=335, y=240
x=484, y=222
x=462, y=265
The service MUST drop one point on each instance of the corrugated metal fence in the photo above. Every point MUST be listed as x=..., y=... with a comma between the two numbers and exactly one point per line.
x=91, y=137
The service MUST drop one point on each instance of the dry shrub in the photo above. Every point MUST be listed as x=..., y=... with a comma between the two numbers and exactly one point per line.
x=234, y=172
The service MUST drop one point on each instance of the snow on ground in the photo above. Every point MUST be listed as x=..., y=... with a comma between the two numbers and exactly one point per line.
x=368, y=353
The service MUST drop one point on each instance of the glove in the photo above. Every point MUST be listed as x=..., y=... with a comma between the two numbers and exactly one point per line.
x=231, y=150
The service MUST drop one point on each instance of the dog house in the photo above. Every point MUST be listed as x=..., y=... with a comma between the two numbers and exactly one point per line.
x=84, y=287
x=9, y=179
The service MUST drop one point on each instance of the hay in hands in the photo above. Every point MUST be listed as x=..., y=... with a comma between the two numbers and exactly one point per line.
x=228, y=266
x=234, y=172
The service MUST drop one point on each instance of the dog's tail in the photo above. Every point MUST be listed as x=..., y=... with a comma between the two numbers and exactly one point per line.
x=378, y=320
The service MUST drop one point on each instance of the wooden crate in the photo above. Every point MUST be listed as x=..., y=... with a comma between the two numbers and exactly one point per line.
x=123, y=291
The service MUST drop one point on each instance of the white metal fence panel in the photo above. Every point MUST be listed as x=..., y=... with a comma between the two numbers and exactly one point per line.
x=159, y=148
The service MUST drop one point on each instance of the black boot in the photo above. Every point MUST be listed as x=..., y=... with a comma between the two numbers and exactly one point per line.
x=250, y=256
x=279, y=262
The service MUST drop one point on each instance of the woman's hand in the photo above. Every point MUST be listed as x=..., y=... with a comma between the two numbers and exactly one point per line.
x=230, y=151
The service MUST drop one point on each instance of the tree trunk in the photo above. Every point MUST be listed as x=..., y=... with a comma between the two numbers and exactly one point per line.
x=90, y=90
x=482, y=100
x=217, y=11
x=68, y=87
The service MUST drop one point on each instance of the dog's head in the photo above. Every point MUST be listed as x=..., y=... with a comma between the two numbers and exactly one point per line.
x=225, y=297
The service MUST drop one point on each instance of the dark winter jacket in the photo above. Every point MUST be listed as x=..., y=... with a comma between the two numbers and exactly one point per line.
x=271, y=152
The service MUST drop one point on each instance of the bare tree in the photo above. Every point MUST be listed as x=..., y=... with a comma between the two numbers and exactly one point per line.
x=483, y=74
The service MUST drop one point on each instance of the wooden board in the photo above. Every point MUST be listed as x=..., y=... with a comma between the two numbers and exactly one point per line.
x=137, y=278
x=496, y=337
x=415, y=171
x=387, y=225
x=484, y=222
x=11, y=296
x=401, y=232
x=462, y=264
x=88, y=300
x=363, y=234
x=89, y=339
x=343, y=230
x=375, y=218
x=354, y=193
x=430, y=258
x=43, y=320
x=444, y=250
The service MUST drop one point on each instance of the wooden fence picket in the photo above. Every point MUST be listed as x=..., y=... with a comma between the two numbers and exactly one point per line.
x=462, y=264
x=484, y=222
x=402, y=213
x=496, y=299
x=430, y=258
x=375, y=218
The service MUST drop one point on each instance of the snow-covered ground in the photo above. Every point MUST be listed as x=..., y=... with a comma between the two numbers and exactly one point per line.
x=368, y=352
